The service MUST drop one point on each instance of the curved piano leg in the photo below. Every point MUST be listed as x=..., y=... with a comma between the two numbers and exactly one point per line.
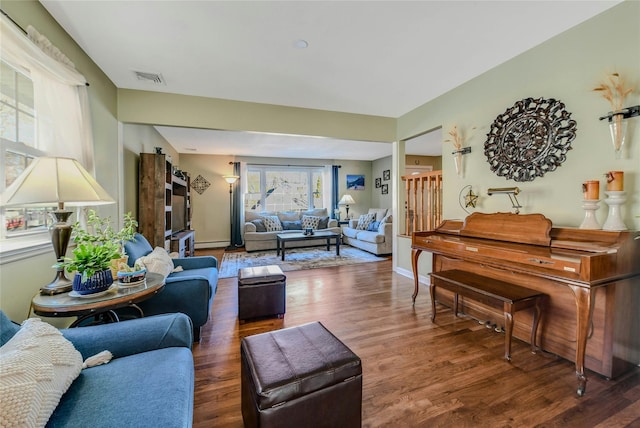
x=584, y=302
x=508, y=330
x=415, y=254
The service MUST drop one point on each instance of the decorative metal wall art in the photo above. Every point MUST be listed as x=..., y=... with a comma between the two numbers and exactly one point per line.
x=530, y=139
x=200, y=184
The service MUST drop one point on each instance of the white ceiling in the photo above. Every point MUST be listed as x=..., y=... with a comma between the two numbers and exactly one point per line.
x=369, y=57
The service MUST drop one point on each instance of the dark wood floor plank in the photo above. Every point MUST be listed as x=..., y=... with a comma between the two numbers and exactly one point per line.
x=415, y=373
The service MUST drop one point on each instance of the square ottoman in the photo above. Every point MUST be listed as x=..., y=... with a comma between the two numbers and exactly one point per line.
x=300, y=377
x=261, y=292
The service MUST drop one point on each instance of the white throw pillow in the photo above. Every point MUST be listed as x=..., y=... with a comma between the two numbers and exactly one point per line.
x=37, y=366
x=310, y=222
x=157, y=261
x=365, y=220
x=272, y=223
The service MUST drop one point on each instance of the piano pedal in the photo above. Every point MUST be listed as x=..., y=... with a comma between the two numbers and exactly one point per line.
x=499, y=329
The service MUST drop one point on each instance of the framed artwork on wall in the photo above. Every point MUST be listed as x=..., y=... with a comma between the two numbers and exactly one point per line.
x=355, y=182
x=386, y=175
x=385, y=189
x=378, y=182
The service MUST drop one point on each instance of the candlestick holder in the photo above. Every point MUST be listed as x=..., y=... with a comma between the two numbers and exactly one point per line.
x=590, y=221
x=615, y=199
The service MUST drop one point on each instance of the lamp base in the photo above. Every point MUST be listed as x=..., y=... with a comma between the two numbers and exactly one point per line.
x=234, y=248
x=60, y=284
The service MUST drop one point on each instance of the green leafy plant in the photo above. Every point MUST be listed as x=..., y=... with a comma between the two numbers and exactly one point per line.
x=97, y=244
x=90, y=258
x=100, y=232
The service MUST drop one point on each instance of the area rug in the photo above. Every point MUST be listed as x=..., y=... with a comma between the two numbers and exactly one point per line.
x=295, y=259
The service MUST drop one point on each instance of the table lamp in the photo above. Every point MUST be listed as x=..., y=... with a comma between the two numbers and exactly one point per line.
x=346, y=200
x=48, y=181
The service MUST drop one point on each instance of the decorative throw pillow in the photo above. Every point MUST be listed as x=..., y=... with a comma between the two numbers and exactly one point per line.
x=365, y=220
x=292, y=225
x=37, y=366
x=323, y=223
x=272, y=223
x=387, y=219
x=373, y=226
x=310, y=221
x=157, y=261
x=260, y=227
x=379, y=212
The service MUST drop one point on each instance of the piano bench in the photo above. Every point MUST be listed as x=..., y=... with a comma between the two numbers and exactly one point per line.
x=499, y=294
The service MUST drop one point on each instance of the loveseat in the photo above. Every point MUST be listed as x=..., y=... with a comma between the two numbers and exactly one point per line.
x=372, y=232
x=149, y=381
x=261, y=228
x=190, y=283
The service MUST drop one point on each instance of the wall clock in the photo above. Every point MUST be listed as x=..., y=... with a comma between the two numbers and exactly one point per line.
x=530, y=139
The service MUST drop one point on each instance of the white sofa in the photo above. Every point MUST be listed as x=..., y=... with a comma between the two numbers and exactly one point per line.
x=376, y=238
x=255, y=240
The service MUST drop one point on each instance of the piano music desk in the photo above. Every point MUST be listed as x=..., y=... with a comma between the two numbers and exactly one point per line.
x=499, y=294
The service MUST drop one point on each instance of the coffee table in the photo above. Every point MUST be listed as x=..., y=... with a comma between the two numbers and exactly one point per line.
x=102, y=305
x=283, y=238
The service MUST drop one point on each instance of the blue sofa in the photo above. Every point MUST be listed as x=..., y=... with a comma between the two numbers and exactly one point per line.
x=148, y=383
x=190, y=291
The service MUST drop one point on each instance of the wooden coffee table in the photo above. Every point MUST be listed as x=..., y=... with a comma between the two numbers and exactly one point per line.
x=102, y=305
x=283, y=238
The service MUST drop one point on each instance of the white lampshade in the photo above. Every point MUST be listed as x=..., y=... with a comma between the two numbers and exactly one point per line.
x=50, y=180
x=346, y=200
x=230, y=178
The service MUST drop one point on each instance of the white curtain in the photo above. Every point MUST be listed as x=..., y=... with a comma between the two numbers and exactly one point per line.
x=60, y=94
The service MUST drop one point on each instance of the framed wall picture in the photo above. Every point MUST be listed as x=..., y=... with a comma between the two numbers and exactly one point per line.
x=378, y=182
x=355, y=182
x=385, y=189
x=386, y=175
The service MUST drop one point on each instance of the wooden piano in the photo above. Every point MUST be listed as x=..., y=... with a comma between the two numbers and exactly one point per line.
x=592, y=278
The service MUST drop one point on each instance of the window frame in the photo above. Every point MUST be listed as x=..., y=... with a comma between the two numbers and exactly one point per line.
x=264, y=169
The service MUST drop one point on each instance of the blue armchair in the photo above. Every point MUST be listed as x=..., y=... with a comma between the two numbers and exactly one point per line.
x=190, y=291
x=149, y=381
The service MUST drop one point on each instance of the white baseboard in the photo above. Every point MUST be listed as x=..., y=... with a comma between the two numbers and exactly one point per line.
x=409, y=274
x=212, y=244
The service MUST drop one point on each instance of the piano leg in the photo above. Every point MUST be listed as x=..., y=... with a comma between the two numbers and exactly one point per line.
x=584, y=302
x=508, y=329
x=536, y=321
x=415, y=254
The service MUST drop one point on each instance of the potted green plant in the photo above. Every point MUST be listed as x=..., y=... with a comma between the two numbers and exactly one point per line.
x=99, y=249
x=91, y=263
x=100, y=232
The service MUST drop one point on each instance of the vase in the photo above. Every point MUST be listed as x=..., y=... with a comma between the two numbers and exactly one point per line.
x=99, y=281
x=457, y=158
x=618, y=130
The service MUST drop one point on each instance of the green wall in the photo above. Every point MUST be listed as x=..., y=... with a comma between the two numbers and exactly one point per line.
x=566, y=68
x=21, y=277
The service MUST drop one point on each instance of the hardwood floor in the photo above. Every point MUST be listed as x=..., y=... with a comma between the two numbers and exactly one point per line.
x=415, y=373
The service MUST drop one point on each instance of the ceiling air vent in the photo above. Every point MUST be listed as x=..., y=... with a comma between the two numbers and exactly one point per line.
x=150, y=77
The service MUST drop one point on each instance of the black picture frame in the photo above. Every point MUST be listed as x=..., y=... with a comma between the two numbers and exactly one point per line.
x=386, y=175
x=378, y=182
x=385, y=189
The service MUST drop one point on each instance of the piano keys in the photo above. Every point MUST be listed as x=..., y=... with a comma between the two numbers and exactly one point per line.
x=591, y=276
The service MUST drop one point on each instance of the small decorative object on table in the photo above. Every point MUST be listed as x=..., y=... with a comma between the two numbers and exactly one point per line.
x=308, y=231
x=129, y=276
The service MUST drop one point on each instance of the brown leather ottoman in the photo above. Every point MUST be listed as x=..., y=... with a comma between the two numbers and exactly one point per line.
x=300, y=377
x=261, y=292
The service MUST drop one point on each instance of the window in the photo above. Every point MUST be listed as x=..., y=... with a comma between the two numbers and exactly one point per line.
x=17, y=141
x=283, y=188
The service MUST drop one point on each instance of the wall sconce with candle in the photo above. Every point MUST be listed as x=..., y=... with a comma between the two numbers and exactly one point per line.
x=457, y=139
x=615, y=91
